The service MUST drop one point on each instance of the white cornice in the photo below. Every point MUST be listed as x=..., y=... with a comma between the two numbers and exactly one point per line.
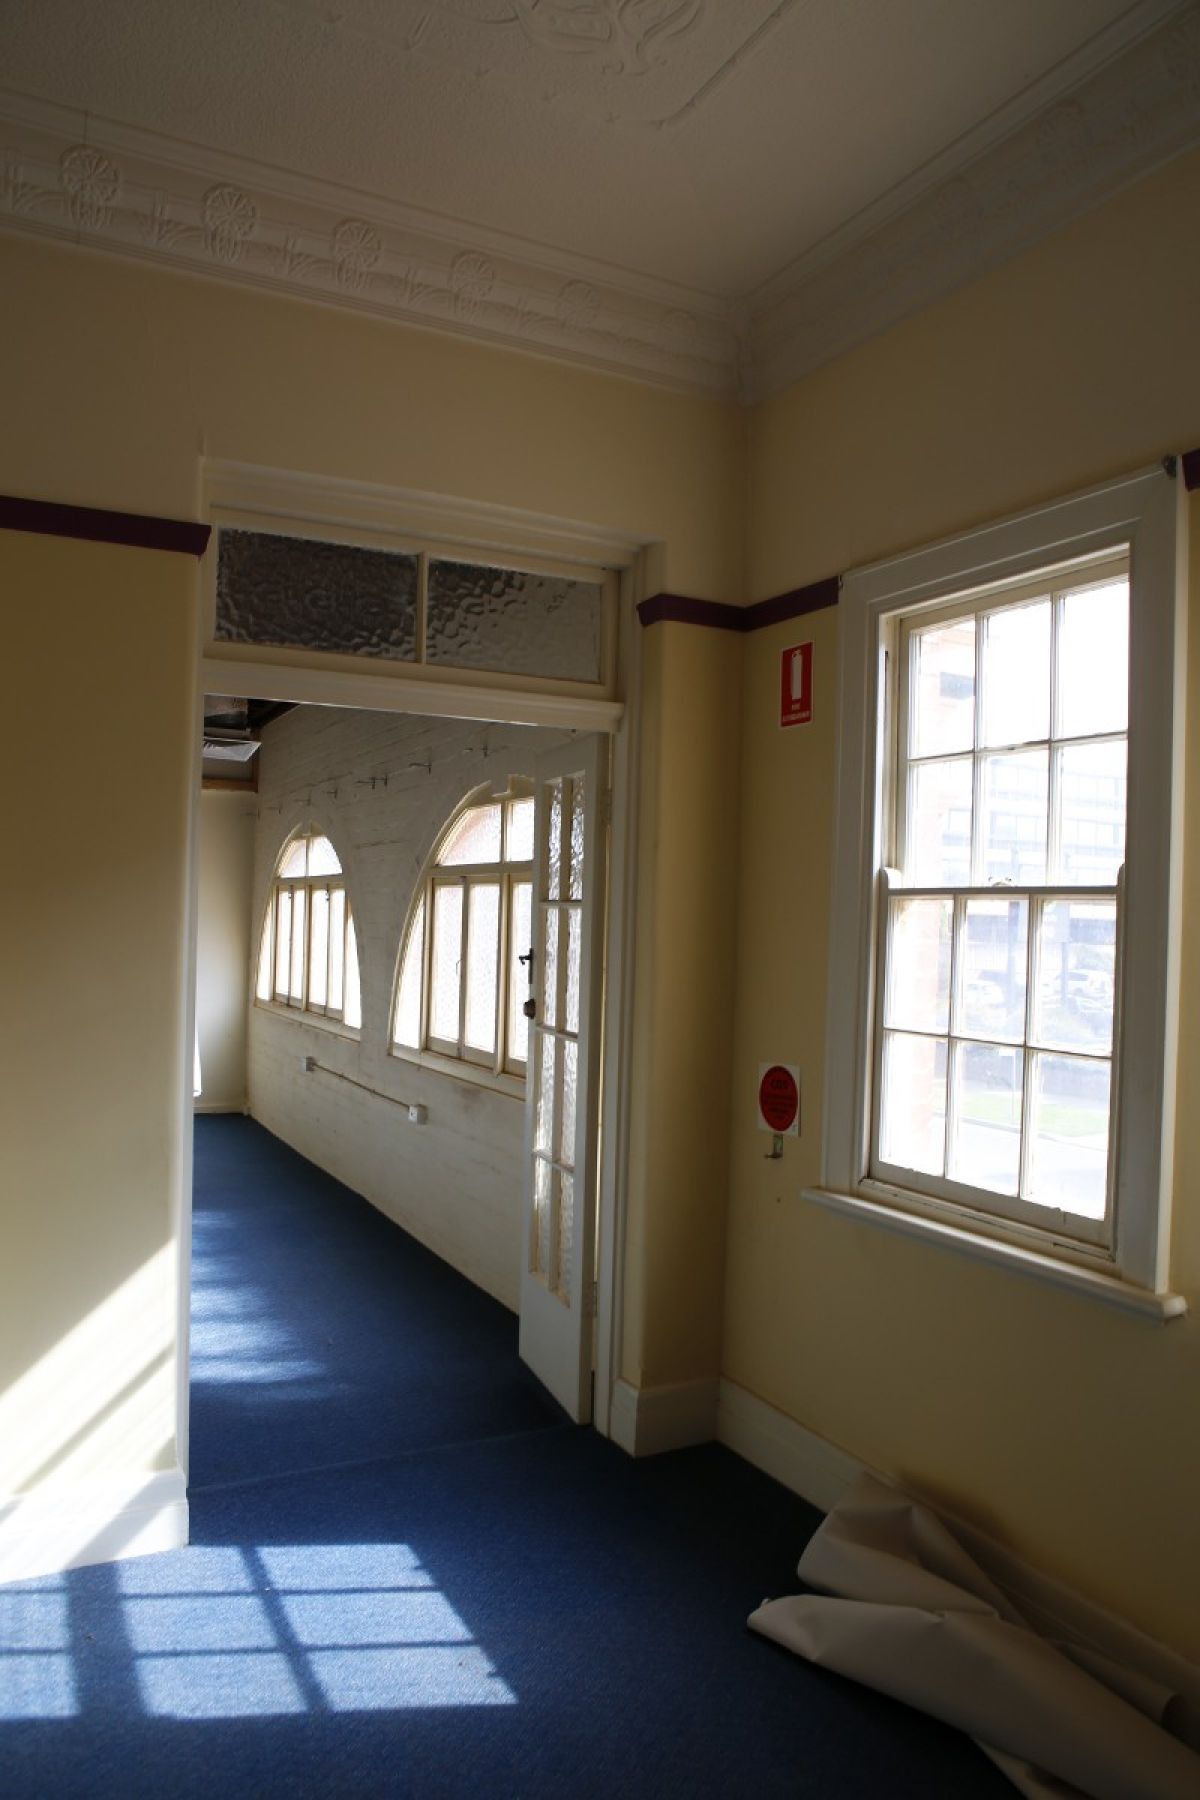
x=1115, y=112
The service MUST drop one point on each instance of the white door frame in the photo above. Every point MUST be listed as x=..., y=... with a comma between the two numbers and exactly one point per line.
x=308, y=501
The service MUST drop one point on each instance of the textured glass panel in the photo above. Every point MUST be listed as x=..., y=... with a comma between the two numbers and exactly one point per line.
x=337, y=949
x=1016, y=675
x=519, y=847
x=551, y=1014
x=570, y=1089
x=352, y=1006
x=315, y=596
x=1091, y=805
x=918, y=981
x=518, y=623
x=1015, y=814
x=299, y=944
x=554, y=841
x=322, y=857
x=985, y=1130
x=566, y=1233
x=991, y=969
x=1093, y=660
x=938, y=847
x=1076, y=964
x=475, y=839
x=543, y=1117
x=447, y=951
x=483, y=964
x=574, y=934
x=942, y=717
x=262, y=987
x=575, y=842
x=283, y=941
x=408, y=995
x=520, y=938
x=318, y=967
x=913, y=1131
x=1069, y=1131
x=543, y=1187
x=295, y=859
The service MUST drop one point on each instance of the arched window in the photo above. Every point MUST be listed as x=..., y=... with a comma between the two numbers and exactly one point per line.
x=461, y=987
x=308, y=957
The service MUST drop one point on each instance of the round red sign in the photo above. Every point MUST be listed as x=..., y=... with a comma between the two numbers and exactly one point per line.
x=778, y=1098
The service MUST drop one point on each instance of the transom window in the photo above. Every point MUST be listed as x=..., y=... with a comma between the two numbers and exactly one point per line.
x=308, y=954
x=462, y=980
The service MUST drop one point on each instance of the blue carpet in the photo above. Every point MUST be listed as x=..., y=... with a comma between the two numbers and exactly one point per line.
x=516, y=1613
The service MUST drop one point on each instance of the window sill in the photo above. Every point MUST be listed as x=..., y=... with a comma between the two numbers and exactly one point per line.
x=318, y=1021
x=474, y=1074
x=1073, y=1277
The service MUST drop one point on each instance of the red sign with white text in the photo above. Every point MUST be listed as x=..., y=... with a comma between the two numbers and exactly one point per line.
x=795, y=685
x=779, y=1098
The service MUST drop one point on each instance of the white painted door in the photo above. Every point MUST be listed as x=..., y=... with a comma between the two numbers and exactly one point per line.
x=563, y=1090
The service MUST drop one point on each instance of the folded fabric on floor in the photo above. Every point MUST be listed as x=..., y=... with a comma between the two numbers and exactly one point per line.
x=915, y=1617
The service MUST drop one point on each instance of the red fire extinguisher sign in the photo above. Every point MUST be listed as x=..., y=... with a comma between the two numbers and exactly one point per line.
x=795, y=685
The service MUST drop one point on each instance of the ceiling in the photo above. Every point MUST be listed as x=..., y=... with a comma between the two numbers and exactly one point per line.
x=720, y=193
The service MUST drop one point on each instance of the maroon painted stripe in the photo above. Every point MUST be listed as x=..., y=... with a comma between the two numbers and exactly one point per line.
x=793, y=605
x=99, y=526
x=1191, y=470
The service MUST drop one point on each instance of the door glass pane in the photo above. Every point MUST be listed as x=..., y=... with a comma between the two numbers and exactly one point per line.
x=1076, y=966
x=1069, y=1163
x=352, y=1005
x=299, y=908
x=1093, y=660
x=447, y=951
x=1092, y=808
x=475, y=839
x=318, y=971
x=483, y=964
x=1015, y=808
x=283, y=940
x=992, y=969
x=337, y=948
x=913, y=1126
x=519, y=847
x=574, y=917
x=566, y=1233
x=550, y=1008
x=1016, y=674
x=985, y=1131
x=943, y=689
x=575, y=841
x=520, y=933
x=543, y=1112
x=938, y=846
x=554, y=814
x=570, y=1087
x=408, y=995
x=543, y=1180
x=918, y=962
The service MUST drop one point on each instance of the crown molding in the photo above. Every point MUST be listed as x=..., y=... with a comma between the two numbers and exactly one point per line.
x=1119, y=108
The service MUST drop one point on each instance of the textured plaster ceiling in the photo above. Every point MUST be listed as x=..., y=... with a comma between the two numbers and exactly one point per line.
x=712, y=147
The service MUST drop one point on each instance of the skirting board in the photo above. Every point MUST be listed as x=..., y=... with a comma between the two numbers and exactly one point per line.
x=46, y=1532
x=647, y=1421
x=821, y=1473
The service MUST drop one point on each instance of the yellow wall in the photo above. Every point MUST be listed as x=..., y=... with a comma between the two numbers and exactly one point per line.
x=1066, y=1429
x=224, y=873
x=99, y=649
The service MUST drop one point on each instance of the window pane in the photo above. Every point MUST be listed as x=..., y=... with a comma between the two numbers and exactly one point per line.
x=938, y=847
x=566, y=1233
x=322, y=857
x=295, y=859
x=520, y=831
x=991, y=969
x=1015, y=807
x=1069, y=1164
x=575, y=841
x=985, y=1130
x=352, y=1006
x=1093, y=660
x=262, y=986
x=554, y=846
x=447, y=950
x=1092, y=810
x=913, y=1125
x=407, y=1029
x=283, y=940
x=544, y=1111
x=481, y=618
x=918, y=965
x=319, y=948
x=337, y=949
x=299, y=945
x=1076, y=966
x=543, y=1187
x=475, y=839
x=570, y=1088
x=317, y=596
x=520, y=940
x=1016, y=674
x=943, y=689
x=550, y=917
x=483, y=964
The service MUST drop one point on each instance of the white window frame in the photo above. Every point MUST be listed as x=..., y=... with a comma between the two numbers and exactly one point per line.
x=1142, y=512
x=278, y=1000
x=499, y=1069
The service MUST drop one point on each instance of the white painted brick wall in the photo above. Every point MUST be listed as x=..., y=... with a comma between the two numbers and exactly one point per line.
x=455, y=1182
